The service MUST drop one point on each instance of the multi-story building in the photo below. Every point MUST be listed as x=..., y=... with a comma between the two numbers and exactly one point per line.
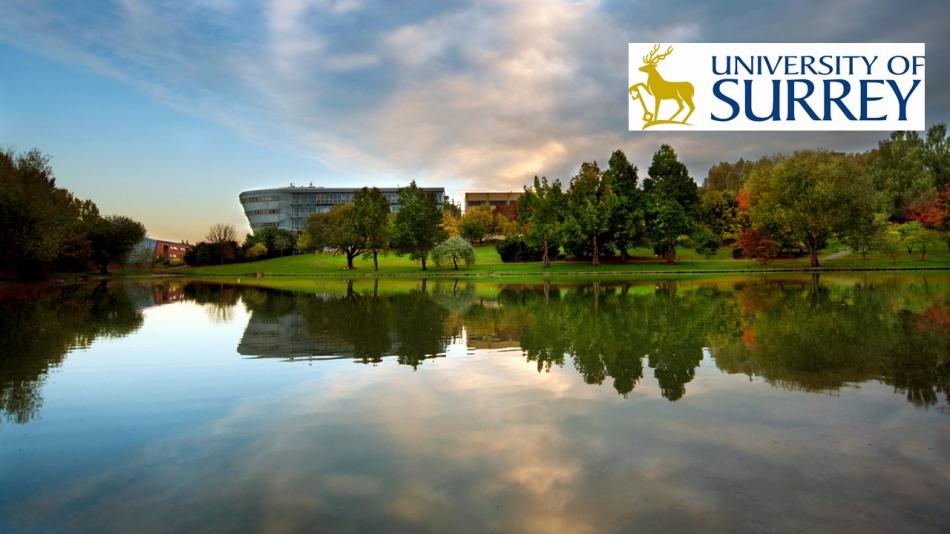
x=289, y=207
x=504, y=203
x=151, y=250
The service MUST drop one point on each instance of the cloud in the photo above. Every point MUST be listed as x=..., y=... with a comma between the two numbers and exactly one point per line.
x=482, y=95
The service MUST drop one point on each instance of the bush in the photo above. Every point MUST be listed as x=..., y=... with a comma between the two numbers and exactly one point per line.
x=452, y=250
x=256, y=250
x=758, y=245
x=515, y=248
x=176, y=262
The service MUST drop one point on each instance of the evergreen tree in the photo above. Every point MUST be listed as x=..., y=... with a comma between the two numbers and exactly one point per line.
x=417, y=227
x=672, y=199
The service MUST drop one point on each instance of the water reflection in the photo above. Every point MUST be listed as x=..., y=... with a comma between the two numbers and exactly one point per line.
x=794, y=333
x=40, y=327
x=797, y=333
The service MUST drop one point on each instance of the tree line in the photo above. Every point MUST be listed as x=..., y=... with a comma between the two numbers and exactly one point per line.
x=893, y=197
x=45, y=228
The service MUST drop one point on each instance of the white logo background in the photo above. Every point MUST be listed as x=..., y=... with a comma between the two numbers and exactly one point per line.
x=692, y=62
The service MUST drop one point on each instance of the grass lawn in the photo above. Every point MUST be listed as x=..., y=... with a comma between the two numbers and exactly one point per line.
x=488, y=263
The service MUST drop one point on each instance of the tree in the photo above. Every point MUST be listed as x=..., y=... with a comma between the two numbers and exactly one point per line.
x=454, y=249
x=719, y=212
x=416, y=228
x=337, y=230
x=371, y=210
x=725, y=177
x=937, y=155
x=275, y=240
x=865, y=232
x=810, y=196
x=542, y=207
x=112, y=239
x=282, y=242
x=473, y=230
x=671, y=201
x=37, y=219
x=221, y=236
x=758, y=245
x=590, y=205
x=899, y=170
x=256, y=251
x=627, y=219
x=479, y=222
x=914, y=234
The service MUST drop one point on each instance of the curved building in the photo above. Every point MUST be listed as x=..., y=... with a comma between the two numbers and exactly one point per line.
x=289, y=207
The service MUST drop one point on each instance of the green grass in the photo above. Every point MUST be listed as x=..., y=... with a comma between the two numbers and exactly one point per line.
x=488, y=263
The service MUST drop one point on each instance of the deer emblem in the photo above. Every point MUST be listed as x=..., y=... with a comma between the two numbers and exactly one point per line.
x=661, y=90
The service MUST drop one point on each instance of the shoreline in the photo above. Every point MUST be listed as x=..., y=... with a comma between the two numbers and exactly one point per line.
x=548, y=274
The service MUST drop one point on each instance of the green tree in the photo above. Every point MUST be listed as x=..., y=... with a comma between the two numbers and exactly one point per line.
x=899, y=170
x=725, y=177
x=915, y=235
x=282, y=242
x=454, y=249
x=810, y=196
x=112, y=240
x=37, y=219
x=417, y=228
x=338, y=230
x=479, y=222
x=937, y=155
x=590, y=205
x=256, y=251
x=371, y=210
x=719, y=212
x=275, y=240
x=671, y=201
x=542, y=207
x=627, y=219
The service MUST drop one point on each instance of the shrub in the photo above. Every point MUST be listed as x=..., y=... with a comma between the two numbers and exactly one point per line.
x=454, y=249
x=515, y=248
x=256, y=250
x=758, y=245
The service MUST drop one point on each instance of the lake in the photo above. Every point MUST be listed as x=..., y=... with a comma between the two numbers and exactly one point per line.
x=766, y=403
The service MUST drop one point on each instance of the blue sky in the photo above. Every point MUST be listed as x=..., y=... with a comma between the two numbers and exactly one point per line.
x=165, y=111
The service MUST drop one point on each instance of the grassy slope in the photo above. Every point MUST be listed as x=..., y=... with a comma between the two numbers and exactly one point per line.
x=489, y=264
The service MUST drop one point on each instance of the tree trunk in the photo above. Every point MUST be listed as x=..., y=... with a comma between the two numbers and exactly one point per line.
x=423, y=263
x=623, y=253
x=104, y=268
x=349, y=261
x=670, y=250
x=546, y=259
x=813, y=253
x=376, y=260
x=595, y=261
x=455, y=261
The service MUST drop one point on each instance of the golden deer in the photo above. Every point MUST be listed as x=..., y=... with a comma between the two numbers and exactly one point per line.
x=664, y=90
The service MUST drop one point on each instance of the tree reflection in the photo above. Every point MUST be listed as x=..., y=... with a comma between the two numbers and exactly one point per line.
x=819, y=338
x=801, y=333
x=43, y=326
x=796, y=333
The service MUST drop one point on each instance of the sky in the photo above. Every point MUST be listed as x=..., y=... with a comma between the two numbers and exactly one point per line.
x=165, y=111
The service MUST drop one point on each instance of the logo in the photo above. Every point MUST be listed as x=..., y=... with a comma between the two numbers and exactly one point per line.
x=660, y=89
x=776, y=86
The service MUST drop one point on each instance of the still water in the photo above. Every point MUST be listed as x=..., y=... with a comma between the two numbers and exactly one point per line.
x=792, y=403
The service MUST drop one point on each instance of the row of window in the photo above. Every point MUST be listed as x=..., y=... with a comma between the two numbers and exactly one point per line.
x=264, y=198
x=262, y=212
